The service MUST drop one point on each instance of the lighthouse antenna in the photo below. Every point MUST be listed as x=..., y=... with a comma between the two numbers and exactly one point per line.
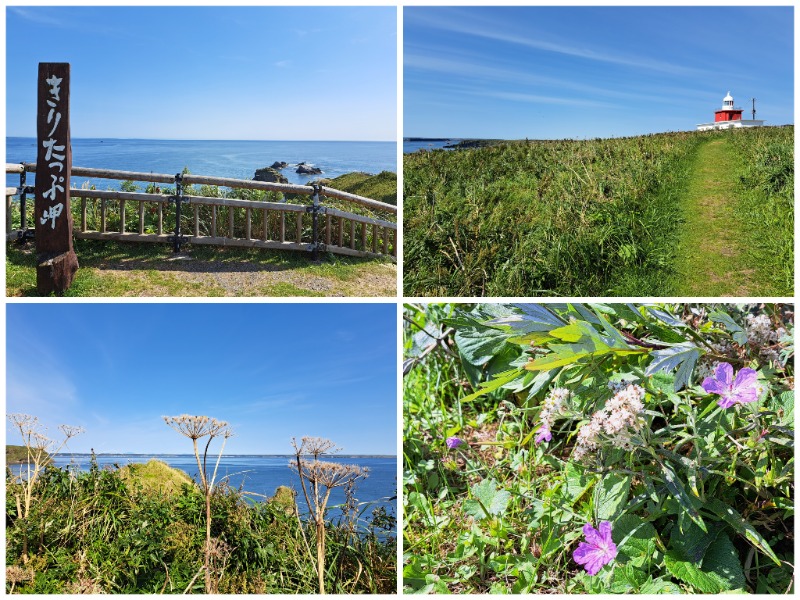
x=754, y=109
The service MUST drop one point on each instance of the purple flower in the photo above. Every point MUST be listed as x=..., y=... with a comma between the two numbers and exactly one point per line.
x=453, y=442
x=597, y=550
x=742, y=390
x=544, y=434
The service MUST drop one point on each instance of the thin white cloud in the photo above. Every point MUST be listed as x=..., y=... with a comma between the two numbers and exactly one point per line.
x=498, y=31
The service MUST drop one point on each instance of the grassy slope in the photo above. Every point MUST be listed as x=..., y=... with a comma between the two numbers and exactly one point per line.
x=16, y=454
x=382, y=186
x=555, y=218
x=598, y=217
x=155, y=476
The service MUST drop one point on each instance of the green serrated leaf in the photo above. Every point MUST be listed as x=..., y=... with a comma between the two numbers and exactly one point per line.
x=692, y=543
x=742, y=527
x=635, y=538
x=723, y=559
x=577, y=482
x=611, y=495
x=478, y=344
x=489, y=501
x=708, y=583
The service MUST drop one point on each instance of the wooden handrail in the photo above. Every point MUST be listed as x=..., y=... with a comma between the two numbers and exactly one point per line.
x=284, y=188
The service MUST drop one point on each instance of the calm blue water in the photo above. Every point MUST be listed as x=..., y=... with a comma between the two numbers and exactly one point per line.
x=426, y=145
x=262, y=474
x=220, y=158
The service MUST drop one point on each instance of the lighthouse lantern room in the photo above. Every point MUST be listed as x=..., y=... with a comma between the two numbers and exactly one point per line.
x=729, y=116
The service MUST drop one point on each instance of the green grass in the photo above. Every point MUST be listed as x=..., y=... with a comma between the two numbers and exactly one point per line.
x=141, y=529
x=596, y=217
x=16, y=454
x=382, y=186
x=155, y=476
x=737, y=239
x=120, y=269
x=765, y=209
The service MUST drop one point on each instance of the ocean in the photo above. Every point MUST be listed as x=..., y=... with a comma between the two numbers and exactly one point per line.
x=262, y=474
x=414, y=145
x=220, y=158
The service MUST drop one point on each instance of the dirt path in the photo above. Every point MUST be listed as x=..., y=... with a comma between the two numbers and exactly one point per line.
x=710, y=254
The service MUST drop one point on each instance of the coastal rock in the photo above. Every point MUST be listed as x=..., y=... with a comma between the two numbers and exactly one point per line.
x=279, y=164
x=270, y=175
x=305, y=169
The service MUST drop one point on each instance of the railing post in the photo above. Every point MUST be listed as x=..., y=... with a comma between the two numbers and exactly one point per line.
x=23, y=200
x=314, y=222
x=178, y=199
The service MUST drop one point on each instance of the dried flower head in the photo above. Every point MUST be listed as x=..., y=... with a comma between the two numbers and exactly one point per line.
x=198, y=426
x=314, y=446
x=329, y=474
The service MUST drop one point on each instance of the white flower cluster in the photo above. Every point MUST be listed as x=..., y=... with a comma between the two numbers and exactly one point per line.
x=760, y=334
x=616, y=419
x=552, y=405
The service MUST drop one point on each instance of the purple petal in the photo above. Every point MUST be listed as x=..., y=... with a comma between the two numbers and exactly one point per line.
x=746, y=378
x=726, y=402
x=714, y=386
x=544, y=434
x=592, y=535
x=591, y=557
x=724, y=374
x=744, y=396
x=453, y=442
x=605, y=532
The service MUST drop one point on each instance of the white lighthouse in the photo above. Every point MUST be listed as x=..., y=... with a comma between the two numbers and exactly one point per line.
x=729, y=117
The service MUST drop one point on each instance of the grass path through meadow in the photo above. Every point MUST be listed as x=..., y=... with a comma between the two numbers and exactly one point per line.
x=710, y=256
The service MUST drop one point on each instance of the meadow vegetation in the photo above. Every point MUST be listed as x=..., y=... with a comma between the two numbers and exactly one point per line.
x=152, y=529
x=585, y=218
x=590, y=448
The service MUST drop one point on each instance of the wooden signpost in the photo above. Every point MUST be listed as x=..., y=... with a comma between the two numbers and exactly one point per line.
x=57, y=262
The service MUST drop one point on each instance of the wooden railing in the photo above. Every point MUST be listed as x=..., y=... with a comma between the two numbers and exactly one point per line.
x=104, y=215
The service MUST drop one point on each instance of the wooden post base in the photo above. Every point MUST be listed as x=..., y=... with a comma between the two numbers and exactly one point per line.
x=54, y=273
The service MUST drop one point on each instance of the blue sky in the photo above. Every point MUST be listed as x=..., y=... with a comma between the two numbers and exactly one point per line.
x=272, y=371
x=576, y=72
x=262, y=73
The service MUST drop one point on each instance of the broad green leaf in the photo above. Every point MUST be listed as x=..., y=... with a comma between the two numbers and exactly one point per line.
x=577, y=482
x=530, y=318
x=786, y=403
x=691, y=543
x=478, y=344
x=490, y=386
x=635, y=538
x=610, y=495
x=688, y=572
x=737, y=333
x=666, y=317
x=676, y=489
x=487, y=499
x=742, y=527
x=681, y=356
x=723, y=559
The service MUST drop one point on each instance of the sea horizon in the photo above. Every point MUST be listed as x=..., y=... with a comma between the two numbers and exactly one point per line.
x=240, y=455
x=235, y=159
x=141, y=139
